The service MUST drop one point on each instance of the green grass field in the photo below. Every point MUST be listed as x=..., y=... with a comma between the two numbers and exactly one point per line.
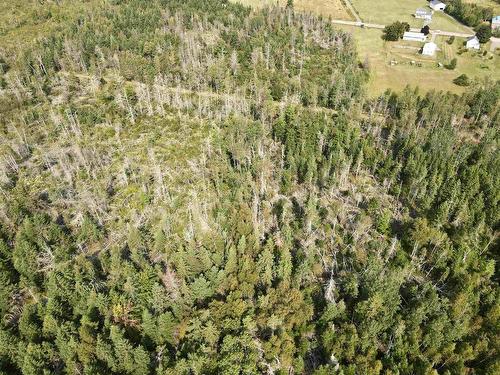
x=327, y=8
x=428, y=76
x=389, y=11
x=24, y=21
x=442, y=21
x=473, y=63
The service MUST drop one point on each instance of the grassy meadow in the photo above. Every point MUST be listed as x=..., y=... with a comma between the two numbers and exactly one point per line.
x=425, y=73
x=23, y=21
x=389, y=11
x=328, y=8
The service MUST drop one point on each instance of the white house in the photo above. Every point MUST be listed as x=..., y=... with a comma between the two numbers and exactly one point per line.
x=429, y=49
x=473, y=43
x=424, y=14
x=437, y=5
x=495, y=23
x=414, y=37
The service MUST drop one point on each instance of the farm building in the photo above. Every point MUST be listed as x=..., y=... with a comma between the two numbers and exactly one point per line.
x=473, y=43
x=414, y=37
x=429, y=49
x=424, y=14
x=437, y=5
x=495, y=23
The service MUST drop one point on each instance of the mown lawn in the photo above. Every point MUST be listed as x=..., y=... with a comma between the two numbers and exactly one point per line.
x=442, y=21
x=425, y=72
x=327, y=8
x=473, y=63
x=388, y=11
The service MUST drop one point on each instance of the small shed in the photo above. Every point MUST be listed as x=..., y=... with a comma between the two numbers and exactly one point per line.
x=437, y=5
x=473, y=43
x=429, y=49
x=414, y=37
x=495, y=23
x=424, y=14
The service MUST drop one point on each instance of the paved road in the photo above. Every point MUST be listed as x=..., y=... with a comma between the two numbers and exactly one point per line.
x=379, y=26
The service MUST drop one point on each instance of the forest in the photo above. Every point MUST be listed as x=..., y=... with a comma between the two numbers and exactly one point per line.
x=192, y=187
x=469, y=13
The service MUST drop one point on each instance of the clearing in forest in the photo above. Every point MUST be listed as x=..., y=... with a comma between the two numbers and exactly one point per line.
x=21, y=22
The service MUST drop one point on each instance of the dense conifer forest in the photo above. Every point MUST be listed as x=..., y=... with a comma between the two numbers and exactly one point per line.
x=189, y=187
